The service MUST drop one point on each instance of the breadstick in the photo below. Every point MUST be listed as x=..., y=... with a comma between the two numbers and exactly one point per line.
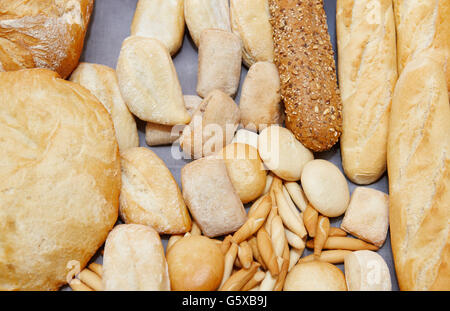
x=230, y=257
x=269, y=180
x=97, y=268
x=172, y=240
x=237, y=263
x=254, y=281
x=236, y=281
x=78, y=286
x=91, y=279
x=195, y=230
x=291, y=204
x=277, y=236
x=245, y=254
x=266, y=250
x=333, y=256
x=254, y=222
x=323, y=225
x=296, y=194
x=310, y=217
x=254, y=289
x=294, y=240
x=283, y=270
x=256, y=254
x=226, y=243
x=335, y=231
x=294, y=256
x=255, y=206
x=351, y=244
x=268, y=282
x=291, y=220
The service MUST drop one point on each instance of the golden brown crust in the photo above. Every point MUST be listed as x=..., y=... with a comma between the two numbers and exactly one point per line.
x=45, y=34
x=304, y=56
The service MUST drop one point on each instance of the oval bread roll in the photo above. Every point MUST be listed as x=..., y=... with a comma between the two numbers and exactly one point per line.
x=162, y=20
x=102, y=82
x=60, y=178
x=196, y=263
x=150, y=195
x=315, y=276
x=325, y=187
x=250, y=21
x=246, y=170
x=366, y=271
x=149, y=83
x=134, y=260
x=282, y=153
x=206, y=14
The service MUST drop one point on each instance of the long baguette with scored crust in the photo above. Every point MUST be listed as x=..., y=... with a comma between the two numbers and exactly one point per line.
x=305, y=60
x=419, y=177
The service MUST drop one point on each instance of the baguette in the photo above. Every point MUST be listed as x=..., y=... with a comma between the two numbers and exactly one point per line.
x=367, y=76
x=419, y=177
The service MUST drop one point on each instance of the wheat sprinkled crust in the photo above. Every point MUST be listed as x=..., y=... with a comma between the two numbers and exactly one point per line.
x=305, y=60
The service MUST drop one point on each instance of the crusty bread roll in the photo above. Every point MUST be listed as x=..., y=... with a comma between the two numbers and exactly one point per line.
x=367, y=76
x=211, y=198
x=159, y=134
x=195, y=263
x=206, y=14
x=219, y=62
x=162, y=20
x=101, y=81
x=134, y=260
x=260, y=101
x=419, y=177
x=304, y=57
x=150, y=195
x=149, y=83
x=315, y=276
x=45, y=34
x=60, y=178
x=246, y=170
x=423, y=26
x=250, y=21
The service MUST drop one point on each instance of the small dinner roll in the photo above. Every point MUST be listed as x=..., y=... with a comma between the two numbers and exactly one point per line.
x=219, y=62
x=315, y=276
x=366, y=271
x=206, y=14
x=149, y=83
x=250, y=21
x=282, y=153
x=246, y=170
x=134, y=260
x=260, y=101
x=195, y=263
x=162, y=20
x=367, y=215
x=325, y=187
x=150, y=195
x=101, y=81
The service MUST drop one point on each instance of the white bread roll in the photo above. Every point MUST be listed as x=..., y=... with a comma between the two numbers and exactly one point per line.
x=149, y=83
x=367, y=76
x=366, y=271
x=134, y=260
x=419, y=177
x=244, y=136
x=101, y=81
x=60, y=182
x=150, y=195
x=423, y=27
x=162, y=20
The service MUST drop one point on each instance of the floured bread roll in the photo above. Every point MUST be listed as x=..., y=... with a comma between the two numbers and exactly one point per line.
x=60, y=185
x=102, y=82
x=149, y=83
x=150, y=195
x=45, y=34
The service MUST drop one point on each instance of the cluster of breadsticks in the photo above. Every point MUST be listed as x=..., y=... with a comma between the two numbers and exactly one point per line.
x=89, y=279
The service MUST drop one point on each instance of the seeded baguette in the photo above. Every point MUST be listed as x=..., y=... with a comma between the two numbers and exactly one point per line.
x=305, y=60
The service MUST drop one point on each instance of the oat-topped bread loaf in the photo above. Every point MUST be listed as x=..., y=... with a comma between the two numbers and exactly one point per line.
x=305, y=60
x=43, y=33
x=60, y=179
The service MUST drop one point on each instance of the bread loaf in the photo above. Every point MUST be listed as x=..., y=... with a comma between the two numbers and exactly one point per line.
x=367, y=76
x=419, y=177
x=45, y=34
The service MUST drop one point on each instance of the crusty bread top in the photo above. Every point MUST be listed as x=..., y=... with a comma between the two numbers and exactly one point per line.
x=419, y=177
x=59, y=191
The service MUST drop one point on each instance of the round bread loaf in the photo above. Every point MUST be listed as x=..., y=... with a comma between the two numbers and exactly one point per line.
x=196, y=263
x=315, y=276
x=60, y=185
x=45, y=34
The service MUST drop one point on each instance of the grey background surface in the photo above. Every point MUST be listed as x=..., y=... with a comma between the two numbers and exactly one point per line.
x=110, y=25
